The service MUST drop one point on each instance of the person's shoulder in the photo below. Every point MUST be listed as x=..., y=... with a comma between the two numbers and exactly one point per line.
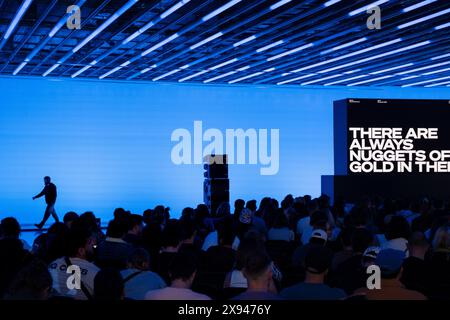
x=154, y=294
x=125, y=246
x=337, y=292
x=414, y=295
x=101, y=244
x=126, y=272
x=199, y=296
x=286, y=292
x=211, y=235
x=305, y=219
x=153, y=276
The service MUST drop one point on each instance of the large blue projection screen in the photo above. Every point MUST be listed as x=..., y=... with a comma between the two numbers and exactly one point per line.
x=108, y=144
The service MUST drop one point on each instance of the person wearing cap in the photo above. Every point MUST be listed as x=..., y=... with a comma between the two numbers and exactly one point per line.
x=390, y=262
x=304, y=226
x=318, y=238
x=368, y=259
x=351, y=274
x=317, y=263
x=369, y=256
x=244, y=223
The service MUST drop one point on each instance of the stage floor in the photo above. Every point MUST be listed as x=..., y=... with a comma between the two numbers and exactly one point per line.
x=29, y=232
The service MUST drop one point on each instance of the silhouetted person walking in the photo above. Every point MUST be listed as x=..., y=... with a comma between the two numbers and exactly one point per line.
x=50, y=194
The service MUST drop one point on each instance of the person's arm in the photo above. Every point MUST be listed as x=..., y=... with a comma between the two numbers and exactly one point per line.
x=40, y=194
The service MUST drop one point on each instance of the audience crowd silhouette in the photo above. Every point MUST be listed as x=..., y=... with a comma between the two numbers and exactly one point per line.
x=298, y=249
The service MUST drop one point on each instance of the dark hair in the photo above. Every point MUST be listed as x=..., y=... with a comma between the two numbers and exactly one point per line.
x=417, y=239
x=287, y=202
x=89, y=220
x=255, y=235
x=346, y=236
x=200, y=213
x=117, y=228
x=359, y=216
x=161, y=214
x=108, y=285
x=251, y=204
x=47, y=178
x=256, y=263
x=239, y=204
x=31, y=282
x=134, y=220
x=182, y=266
x=398, y=227
x=264, y=205
x=316, y=217
x=57, y=236
x=362, y=238
x=119, y=213
x=187, y=213
x=139, y=257
x=70, y=216
x=77, y=238
x=172, y=234
x=10, y=228
x=148, y=216
x=275, y=203
x=280, y=220
x=324, y=202
x=312, y=206
x=246, y=246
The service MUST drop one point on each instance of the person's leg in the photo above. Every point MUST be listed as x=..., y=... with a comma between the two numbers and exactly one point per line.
x=46, y=216
x=54, y=215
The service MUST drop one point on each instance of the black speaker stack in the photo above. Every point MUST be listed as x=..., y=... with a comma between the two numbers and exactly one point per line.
x=216, y=187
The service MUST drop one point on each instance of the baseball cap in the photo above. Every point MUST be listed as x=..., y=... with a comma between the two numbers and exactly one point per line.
x=319, y=234
x=390, y=261
x=371, y=252
x=246, y=216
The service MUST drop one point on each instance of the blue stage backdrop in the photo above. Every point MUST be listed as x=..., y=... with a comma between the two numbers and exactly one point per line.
x=108, y=144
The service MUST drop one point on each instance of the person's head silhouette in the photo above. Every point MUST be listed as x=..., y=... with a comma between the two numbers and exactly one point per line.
x=47, y=180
